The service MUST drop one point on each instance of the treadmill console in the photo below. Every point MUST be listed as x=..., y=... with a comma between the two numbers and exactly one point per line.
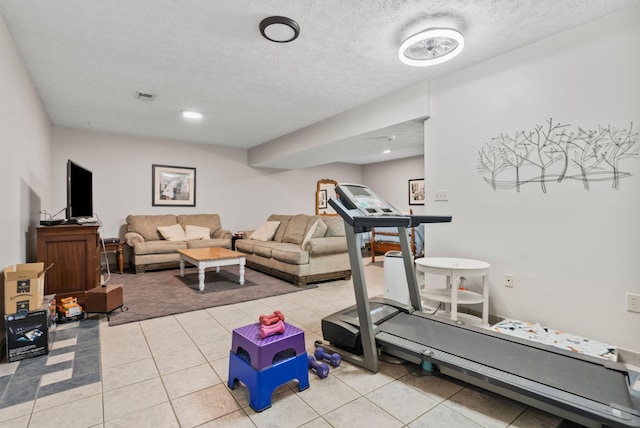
x=363, y=199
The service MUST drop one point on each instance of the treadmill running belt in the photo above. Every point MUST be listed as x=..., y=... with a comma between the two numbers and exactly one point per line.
x=579, y=377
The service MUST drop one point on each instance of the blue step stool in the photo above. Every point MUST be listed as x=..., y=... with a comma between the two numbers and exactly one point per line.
x=262, y=383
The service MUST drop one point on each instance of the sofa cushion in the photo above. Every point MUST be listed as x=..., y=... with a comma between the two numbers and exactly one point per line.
x=260, y=248
x=159, y=247
x=175, y=232
x=326, y=245
x=266, y=231
x=147, y=225
x=193, y=233
x=245, y=245
x=206, y=243
x=290, y=254
x=212, y=221
x=296, y=229
x=284, y=221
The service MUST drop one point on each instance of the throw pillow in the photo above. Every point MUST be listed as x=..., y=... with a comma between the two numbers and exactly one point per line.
x=196, y=232
x=175, y=232
x=266, y=231
x=316, y=230
x=321, y=229
x=296, y=228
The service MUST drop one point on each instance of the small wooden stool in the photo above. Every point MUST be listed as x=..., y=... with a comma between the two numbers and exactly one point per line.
x=104, y=300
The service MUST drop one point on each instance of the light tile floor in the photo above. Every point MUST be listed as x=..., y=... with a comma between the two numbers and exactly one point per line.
x=172, y=372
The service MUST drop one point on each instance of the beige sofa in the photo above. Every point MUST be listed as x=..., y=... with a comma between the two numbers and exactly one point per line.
x=151, y=250
x=303, y=249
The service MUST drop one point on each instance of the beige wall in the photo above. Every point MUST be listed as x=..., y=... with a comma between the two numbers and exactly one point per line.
x=24, y=156
x=243, y=196
x=390, y=180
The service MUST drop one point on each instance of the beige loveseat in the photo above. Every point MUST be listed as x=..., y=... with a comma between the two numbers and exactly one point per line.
x=301, y=250
x=151, y=250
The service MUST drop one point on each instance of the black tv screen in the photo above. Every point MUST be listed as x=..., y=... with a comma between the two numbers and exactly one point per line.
x=79, y=191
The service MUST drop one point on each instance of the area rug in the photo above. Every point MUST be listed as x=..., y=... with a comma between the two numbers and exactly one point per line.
x=159, y=293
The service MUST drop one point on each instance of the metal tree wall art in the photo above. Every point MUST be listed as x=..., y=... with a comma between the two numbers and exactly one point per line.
x=556, y=152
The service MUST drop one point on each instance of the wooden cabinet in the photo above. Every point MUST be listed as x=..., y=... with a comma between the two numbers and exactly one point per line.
x=73, y=251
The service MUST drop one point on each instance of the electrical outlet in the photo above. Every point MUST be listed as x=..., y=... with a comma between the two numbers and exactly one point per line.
x=633, y=302
x=508, y=280
x=442, y=195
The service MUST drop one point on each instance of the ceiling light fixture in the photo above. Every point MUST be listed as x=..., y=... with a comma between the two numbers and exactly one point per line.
x=431, y=47
x=190, y=114
x=279, y=29
x=386, y=151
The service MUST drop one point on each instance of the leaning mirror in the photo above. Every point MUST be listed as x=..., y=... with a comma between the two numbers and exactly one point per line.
x=325, y=190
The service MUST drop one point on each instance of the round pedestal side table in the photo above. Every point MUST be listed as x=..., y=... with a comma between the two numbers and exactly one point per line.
x=451, y=295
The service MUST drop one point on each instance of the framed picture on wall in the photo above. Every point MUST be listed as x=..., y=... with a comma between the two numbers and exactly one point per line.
x=416, y=191
x=322, y=199
x=173, y=186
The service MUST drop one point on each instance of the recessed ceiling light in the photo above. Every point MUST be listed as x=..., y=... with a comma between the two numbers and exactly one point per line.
x=386, y=151
x=431, y=47
x=191, y=114
x=279, y=29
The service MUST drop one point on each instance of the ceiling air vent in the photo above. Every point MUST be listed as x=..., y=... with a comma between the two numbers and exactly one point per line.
x=144, y=96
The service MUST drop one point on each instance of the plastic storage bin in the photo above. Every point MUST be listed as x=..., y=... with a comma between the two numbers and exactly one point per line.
x=395, y=278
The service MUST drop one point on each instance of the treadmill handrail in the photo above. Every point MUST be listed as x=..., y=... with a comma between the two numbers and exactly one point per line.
x=417, y=219
x=359, y=222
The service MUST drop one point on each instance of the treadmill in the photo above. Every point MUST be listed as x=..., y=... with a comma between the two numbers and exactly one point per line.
x=581, y=388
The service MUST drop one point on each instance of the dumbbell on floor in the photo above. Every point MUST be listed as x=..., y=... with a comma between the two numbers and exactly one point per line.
x=333, y=359
x=321, y=369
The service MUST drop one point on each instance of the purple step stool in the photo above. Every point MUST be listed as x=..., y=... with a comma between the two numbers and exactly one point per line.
x=262, y=351
x=264, y=364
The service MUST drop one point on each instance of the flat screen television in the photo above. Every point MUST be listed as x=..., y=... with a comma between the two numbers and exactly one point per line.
x=79, y=192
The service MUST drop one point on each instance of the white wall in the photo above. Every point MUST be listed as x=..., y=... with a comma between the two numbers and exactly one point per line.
x=390, y=180
x=574, y=253
x=406, y=104
x=243, y=196
x=24, y=156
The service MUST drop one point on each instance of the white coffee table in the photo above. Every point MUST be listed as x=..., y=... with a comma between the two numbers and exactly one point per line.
x=204, y=258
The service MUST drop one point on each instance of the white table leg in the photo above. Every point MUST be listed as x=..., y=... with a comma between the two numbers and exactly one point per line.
x=181, y=266
x=241, y=269
x=485, y=304
x=454, y=299
x=201, y=278
x=217, y=269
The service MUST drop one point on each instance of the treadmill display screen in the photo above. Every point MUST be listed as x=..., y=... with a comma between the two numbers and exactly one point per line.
x=362, y=198
x=358, y=190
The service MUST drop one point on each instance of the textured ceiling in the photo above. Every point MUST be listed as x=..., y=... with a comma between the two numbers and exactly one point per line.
x=88, y=59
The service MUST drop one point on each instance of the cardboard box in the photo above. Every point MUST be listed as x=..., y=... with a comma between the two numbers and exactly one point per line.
x=30, y=334
x=23, y=287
